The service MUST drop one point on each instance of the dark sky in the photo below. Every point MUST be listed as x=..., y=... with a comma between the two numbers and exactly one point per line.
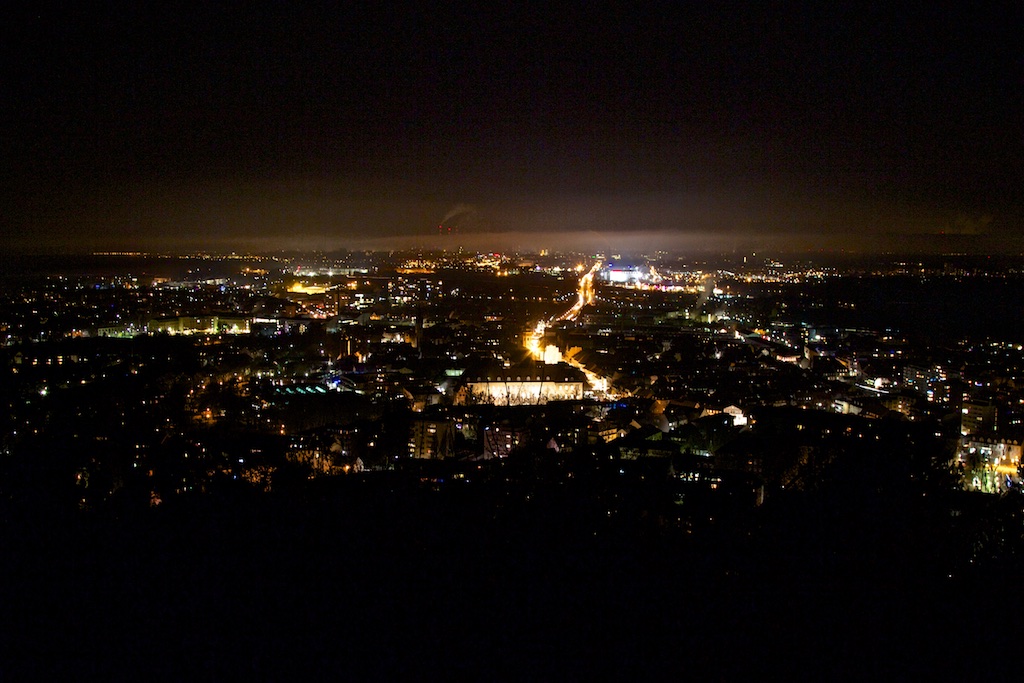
x=794, y=125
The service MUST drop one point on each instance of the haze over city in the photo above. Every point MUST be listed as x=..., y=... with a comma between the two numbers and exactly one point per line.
x=783, y=126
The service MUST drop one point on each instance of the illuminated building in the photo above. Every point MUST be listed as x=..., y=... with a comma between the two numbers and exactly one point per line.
x=207, y=324
x=526, y=384
x=977, y=416
x=928, y=380
x=432, y=439
x=991, y=463
x=623, y=275
x=501, y=440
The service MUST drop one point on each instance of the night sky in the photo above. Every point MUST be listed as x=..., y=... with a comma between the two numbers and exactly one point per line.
x=780, y=125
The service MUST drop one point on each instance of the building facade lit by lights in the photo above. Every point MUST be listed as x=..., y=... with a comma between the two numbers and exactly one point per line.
x=978, y=417
x=207, y=324
x=990, y=462
x=525, y=384
x=432, y=439
x=621, y=275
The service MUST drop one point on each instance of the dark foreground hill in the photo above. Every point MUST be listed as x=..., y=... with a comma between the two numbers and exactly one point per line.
x=338, y=580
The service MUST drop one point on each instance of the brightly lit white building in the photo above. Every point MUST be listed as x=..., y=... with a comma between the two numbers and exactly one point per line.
x=526, y=384
x=622, y=275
